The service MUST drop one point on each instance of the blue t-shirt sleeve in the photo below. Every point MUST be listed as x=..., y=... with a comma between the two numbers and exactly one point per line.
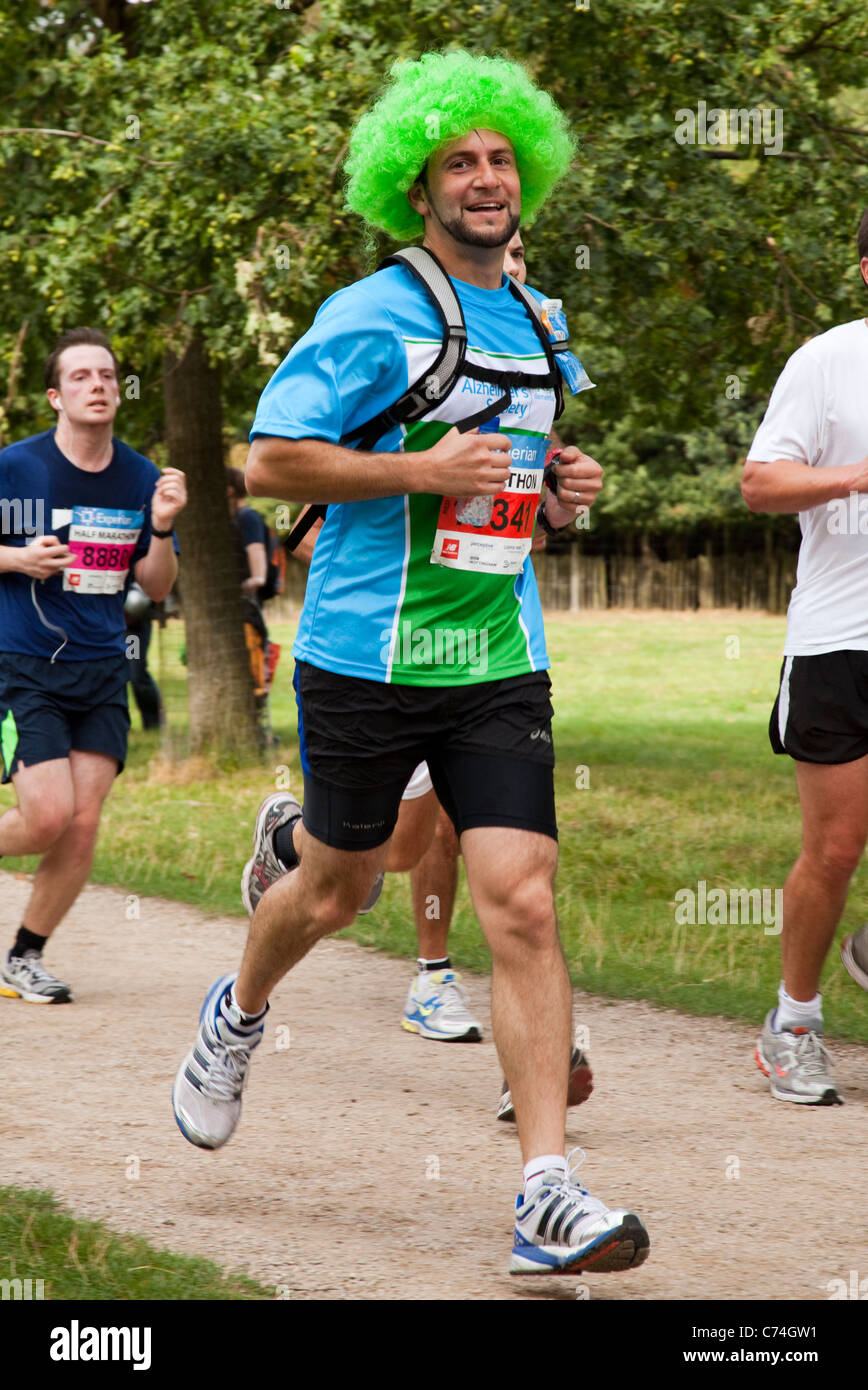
x=150, y=476
x=350, y=365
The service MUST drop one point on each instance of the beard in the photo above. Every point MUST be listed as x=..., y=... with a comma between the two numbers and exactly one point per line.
x=460, y=229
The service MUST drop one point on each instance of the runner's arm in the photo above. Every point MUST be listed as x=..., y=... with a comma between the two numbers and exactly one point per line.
x=296, y=470
x=157, y=571
x=41, y=559
x=789, y=486
x=304, y=550
x=257, y=564
x=301, y=470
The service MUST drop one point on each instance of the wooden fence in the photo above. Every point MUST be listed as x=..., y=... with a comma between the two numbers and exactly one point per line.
x=574, y=581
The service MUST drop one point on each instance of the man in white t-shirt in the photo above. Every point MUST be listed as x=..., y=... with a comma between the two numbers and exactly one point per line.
x=810, y=455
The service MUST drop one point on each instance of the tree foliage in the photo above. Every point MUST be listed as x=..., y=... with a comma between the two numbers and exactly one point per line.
x=198, y=189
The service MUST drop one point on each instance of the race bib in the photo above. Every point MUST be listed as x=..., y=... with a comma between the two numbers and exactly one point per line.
x=102, y=541
x=492, y=535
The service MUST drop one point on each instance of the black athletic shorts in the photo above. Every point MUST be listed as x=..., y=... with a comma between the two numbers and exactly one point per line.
x=488, y=747
x=821, y=713
x=47, y=709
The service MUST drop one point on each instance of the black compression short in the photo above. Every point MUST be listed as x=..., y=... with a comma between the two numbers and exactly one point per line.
x=488, y=747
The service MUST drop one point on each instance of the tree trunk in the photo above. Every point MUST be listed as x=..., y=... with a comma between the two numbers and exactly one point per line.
x=222, y=708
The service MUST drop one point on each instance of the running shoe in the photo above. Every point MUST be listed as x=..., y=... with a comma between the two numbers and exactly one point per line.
x=437, y=1008
x=25, y=977
x=580, y=1086
x=562, y=1229
x=797, y=1064
x=206, y=1097
x=265, y=868
x=854, y=954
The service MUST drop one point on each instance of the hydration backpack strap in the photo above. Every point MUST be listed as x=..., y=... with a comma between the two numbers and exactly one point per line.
x=534, y=312
x=444, y=371
x=314, y=513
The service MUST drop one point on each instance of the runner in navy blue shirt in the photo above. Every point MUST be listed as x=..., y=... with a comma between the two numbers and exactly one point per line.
x=79, y=513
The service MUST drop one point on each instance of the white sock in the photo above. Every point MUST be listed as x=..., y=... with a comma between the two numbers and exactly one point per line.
x=794, y=1013
x=534, y=1170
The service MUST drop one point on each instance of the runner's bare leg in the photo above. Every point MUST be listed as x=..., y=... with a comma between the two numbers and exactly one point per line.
x=834, y=801
x=434, y=882
x=510, y=874
x=322, y=895
x=65, y=867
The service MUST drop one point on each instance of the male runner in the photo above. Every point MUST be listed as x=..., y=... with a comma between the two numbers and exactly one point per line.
x=809, y=456
x=423, y=842
x=83, y=510
x=372, y=708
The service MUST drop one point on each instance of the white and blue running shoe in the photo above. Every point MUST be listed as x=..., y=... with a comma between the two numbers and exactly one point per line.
x=437, y=1008
x=562, y=1229
x=206, y=1097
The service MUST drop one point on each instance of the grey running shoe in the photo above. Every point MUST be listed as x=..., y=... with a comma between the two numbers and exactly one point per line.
x=265, y=868
x=437, y=1008
x=562, y=1229
x=854, y=954
x=580, y=1086
x=797, y=1064
x=25, y=977
x=206, y=1097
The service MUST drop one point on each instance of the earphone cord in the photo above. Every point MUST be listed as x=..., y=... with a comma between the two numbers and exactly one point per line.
x=45, y=623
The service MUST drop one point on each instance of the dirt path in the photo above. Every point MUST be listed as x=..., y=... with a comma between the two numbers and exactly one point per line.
x=368, y=1163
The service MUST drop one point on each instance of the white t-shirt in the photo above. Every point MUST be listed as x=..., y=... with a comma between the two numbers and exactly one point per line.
x=818, y=414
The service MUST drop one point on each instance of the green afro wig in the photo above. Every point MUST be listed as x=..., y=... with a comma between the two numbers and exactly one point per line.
x=433, y=101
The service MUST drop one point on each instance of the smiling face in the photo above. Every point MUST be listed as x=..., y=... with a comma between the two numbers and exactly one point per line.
x=87, y=390
x=472, y=190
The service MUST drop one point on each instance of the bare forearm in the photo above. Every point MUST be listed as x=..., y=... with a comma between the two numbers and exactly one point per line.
x=158, y=570
x=304, y=550
x=301, y=470
x=788, y=486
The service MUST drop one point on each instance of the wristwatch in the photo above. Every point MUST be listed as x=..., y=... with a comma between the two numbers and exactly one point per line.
x=161, y=535
x=543, y=520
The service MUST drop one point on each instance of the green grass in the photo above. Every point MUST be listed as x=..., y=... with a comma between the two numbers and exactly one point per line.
x=85, y=1260
x=682, y=787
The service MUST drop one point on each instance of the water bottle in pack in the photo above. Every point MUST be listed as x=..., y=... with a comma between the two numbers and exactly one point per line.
x=476, y=511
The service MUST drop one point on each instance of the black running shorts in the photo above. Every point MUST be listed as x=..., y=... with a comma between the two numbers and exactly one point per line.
x=488, y=747
x=821, y=713
x=48, y=708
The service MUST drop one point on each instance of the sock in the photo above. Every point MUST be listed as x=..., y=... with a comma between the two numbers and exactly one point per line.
x=444, y=964
x=793, y=1013
x=28, y=941
x=534, y=1170
x=232, y=1013
x=281, y=843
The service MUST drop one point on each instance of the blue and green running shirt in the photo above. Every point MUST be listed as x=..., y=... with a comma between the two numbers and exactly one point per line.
x=398, y=589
